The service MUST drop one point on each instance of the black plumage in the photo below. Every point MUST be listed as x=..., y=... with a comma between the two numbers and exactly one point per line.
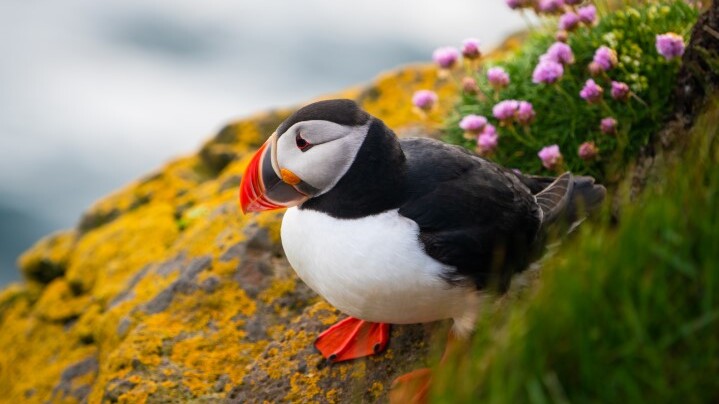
x=342, y=112
x=473, y=215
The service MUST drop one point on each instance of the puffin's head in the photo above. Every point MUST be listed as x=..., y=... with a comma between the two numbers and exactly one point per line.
x=307, y=155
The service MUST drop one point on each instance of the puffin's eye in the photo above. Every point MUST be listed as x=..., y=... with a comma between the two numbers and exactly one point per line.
x=302, y=144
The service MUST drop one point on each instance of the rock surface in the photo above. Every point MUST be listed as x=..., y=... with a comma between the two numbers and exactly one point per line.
x=165, y=292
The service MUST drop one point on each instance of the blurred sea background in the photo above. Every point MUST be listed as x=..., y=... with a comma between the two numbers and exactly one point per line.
x=94, y=94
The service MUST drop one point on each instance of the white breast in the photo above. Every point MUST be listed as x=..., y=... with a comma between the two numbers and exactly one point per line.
x=373, y=268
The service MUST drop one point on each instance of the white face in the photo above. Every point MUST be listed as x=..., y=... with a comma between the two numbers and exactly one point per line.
x=320, y=152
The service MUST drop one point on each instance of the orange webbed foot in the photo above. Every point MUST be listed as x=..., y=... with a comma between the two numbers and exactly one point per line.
x=412, y=387
x=352, y=338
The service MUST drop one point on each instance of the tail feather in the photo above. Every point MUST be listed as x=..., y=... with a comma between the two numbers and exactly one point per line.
x=587, y=197
x=553, y=200
x=568, y=198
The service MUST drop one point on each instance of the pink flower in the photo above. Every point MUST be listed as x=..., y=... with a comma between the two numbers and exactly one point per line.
x=670, y=45
x=424, y=99
x=559, y=52
x=587, y=14
x=547, y=72
x=525, y=113
x=473, y=123
x=594, y=69
x=550, y=156
x=620, y=91
x=608, y=126
x=550, y=6
x=605, y=58
x=469, y=86
x=505, y=110
x=470, y=49
x=591, y=92
x=568, y=21
x=498, y=78
x=487, y=141
x=517, y=4
x=445, y=57
x=588, y=151
x=562, y=36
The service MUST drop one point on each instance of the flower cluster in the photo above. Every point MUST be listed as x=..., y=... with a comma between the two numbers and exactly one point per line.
x=498, y=78
x=573, y=19
x=472, y=125
x=560, y=53
x=599, y=92
x=510, y=111
x=446, y=57
x=605, y=59
x=592, y=92
x=551, y=156
x=620, y=91
x=507, y=112
x=670, y=45
x=608, y=126
x=424, y=100
x=547, y=72
x=478, y=129
x=588, y=151
x=487, y=140
x=470, y=49
x=551, y=64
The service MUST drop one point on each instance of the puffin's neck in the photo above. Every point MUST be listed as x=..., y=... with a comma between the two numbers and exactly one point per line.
x=374, y=183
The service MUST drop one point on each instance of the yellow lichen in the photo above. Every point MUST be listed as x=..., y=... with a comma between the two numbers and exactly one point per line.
x=325, y=312
x=139, y=393
x=278, y=288
x=332, y=396
x=48, y=258
x=105, y=258
x=304, y=387
x=35, y=353
x=59, y=303
x=85, y=328
x=272, y=222
x=376, y=390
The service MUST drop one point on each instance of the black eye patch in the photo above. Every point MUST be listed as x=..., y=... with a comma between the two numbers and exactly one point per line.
x=302, y=143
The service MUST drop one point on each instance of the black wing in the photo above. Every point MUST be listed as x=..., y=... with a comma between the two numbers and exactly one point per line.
x=472, y=214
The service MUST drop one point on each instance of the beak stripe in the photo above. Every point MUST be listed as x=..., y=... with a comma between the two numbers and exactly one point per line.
x=264, y=188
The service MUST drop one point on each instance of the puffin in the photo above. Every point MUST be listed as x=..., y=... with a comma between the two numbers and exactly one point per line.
x=400, y=230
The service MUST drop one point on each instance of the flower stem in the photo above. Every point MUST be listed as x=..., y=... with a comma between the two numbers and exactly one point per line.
x=607, y=109
x=641, y=101
x=564, y=93
x=519, y=138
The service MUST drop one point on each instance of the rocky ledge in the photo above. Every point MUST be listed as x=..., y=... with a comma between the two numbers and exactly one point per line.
x=165, y=292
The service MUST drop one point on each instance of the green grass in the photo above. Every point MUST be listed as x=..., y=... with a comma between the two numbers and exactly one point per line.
x=567, y=120
x=623, y=314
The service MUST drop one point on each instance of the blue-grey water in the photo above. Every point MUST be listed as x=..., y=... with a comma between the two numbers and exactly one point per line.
x=96, y=93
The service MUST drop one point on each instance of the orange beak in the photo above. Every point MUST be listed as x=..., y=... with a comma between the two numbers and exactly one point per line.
x=263, y=187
